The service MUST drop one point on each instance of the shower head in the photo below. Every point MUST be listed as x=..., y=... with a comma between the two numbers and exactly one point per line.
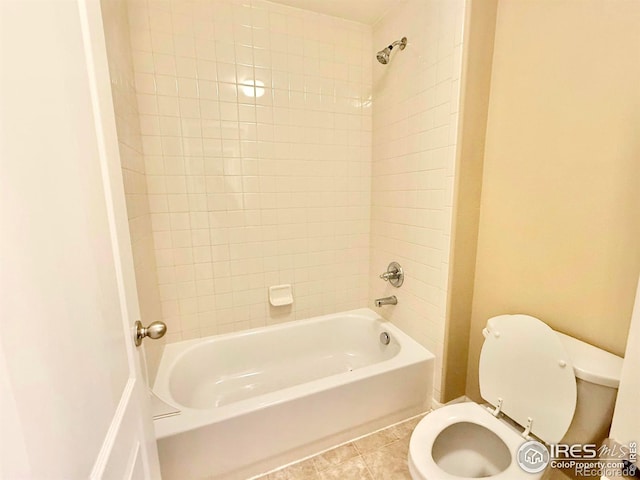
x=383, y=55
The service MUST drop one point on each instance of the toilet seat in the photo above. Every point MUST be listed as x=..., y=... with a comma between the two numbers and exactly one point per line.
x=421, y=462
x=525, y=372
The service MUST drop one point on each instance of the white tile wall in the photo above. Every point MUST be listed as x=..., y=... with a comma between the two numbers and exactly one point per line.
x=256, y=132
x=415, y=115
x=275, y=149
x=116, y=27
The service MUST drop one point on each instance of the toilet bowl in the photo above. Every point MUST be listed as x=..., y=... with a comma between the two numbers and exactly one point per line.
x=465, y=441
x=528, y=379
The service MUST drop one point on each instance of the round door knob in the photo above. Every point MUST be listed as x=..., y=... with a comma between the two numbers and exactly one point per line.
x=155, y=330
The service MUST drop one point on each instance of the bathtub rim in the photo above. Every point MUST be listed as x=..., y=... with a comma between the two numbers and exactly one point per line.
x=190, y=418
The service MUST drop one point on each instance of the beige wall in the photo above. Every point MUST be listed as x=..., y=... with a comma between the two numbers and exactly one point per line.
x=476, y=81
x=116, y=28
x=415, y=121
x=559, y=231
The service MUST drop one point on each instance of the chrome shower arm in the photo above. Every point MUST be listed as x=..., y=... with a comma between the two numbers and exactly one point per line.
x=402, y=43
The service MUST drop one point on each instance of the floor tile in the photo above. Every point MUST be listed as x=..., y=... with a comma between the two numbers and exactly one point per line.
x=375, y=440
x=335, y=456
x=405, y=429
x=353, y=469
x=304, y=470
x=390, y=461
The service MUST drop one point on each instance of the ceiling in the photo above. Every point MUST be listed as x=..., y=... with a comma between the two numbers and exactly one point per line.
x=363, y=11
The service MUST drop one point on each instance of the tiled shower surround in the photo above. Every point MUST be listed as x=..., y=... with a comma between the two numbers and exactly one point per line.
x=256, y=131
x=278, y=150
x=415, y=127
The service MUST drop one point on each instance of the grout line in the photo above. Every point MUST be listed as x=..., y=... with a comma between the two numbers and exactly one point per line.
x=366, y=465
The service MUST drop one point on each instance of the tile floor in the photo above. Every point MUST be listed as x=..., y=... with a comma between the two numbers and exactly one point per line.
x=379, y=456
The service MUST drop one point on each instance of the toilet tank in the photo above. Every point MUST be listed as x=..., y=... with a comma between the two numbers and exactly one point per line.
x=597, y=379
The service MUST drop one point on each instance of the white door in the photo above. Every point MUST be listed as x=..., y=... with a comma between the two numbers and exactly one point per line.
x=73, y=402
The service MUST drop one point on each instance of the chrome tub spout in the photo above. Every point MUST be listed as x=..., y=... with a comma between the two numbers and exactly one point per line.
x=392, y=300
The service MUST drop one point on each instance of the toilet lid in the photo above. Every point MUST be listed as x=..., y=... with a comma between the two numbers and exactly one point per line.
x=524, y=363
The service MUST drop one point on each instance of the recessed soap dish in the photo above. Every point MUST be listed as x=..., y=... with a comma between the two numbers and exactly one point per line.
x=280, y=295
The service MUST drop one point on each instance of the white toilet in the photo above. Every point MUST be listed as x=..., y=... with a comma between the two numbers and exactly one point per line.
x=540, y=384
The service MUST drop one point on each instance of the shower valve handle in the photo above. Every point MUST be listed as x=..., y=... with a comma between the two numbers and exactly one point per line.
x=394, y=274
x=386, y=276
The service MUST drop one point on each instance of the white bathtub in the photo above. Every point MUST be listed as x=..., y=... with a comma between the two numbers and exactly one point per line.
x=254, y=400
